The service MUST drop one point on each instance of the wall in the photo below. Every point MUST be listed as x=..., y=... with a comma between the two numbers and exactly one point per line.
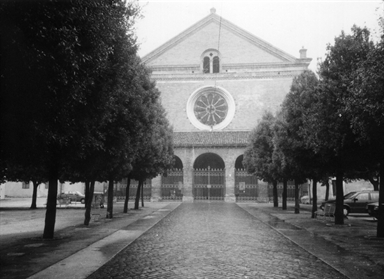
x=14, y=189
x=252, y=97
x=233, y=48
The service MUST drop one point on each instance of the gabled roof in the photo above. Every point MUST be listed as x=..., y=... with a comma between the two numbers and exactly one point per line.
x=211, y=139
x=213, y=17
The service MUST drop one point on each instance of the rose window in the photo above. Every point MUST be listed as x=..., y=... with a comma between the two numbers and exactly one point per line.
x=210, y=108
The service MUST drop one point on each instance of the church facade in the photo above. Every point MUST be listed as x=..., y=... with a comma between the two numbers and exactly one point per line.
x=216, y=81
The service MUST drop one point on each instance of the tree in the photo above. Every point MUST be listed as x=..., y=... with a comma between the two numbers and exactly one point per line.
x=278, y=157
x=327, y=128
x=365, y=107
x=155, y=154
x=258, y=157
x=53, y=56
x=89, y=190
x=305, y=163
x=283, y=158
x=125, y=210
x=31, y=173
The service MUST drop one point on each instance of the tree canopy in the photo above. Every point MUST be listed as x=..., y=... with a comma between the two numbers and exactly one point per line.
x=364, y=105
x=258, y=157
x=75, y=96
x=331, y=125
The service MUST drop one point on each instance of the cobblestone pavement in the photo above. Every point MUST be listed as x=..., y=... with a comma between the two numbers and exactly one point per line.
x=213, y=240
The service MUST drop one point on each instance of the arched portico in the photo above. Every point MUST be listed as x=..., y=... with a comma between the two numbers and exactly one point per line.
x=246, y=185
x=172, y=181
x=191, y=159
x=209, y=159
x=208, y=177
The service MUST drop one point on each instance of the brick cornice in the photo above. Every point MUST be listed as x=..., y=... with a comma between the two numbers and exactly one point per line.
x=211, y=139
x=240, y=66
x=225, y=76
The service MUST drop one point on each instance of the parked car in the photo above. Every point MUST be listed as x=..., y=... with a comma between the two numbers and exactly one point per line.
x=72, y=196
x=373, y=209
x=305, y=200
x=334, y=200
x=357, y=202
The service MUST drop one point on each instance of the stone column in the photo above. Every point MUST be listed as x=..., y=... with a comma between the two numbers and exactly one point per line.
x=187, y=174
x=156, y=189
x=187, y=186
x=230, y=180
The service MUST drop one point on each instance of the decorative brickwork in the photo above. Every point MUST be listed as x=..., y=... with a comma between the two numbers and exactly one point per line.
x=213, y=139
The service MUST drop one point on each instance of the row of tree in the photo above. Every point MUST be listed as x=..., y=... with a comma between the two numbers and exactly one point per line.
x=330, y=124
x=77, y=104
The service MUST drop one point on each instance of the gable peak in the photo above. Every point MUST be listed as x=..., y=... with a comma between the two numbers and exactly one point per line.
x=233, y=30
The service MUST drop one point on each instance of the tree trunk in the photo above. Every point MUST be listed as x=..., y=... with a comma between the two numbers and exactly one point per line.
x=142, y=194
x=374, y=182
x=86, y=192
x=339, y=214
x=34, y=194
x=110, y=200
x=285, y=186
x=137, y=200
x=297, y=199
x=50, y=215
x=326, y=189
x=127, y=195
x=380, y=219
x=314, y=197
x=89, y=190
x=87, y=215
x=275, y=197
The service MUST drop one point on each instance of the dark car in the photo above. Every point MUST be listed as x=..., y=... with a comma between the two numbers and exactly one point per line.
x=333, y=200
x=72, y=197
x=357, y=202
x=373, y=209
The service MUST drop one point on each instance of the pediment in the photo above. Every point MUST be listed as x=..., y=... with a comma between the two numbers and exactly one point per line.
x=235, y=45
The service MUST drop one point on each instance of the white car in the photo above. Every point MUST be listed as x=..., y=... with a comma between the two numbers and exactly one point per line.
x=305, y=200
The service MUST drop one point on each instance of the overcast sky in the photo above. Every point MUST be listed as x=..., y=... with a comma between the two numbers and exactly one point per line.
x=286, y=24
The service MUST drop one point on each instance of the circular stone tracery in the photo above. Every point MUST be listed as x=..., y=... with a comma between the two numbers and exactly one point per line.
x=210, y=108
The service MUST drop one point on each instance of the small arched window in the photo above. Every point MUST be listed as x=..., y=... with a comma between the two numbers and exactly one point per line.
x=216, y=64
x=206, y=65
x=210, y=61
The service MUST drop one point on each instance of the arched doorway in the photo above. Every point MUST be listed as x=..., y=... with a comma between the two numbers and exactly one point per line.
x=209, y=177
x=172, y=182
x=246, y=186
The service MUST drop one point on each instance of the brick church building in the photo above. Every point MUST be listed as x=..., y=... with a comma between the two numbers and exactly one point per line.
x=216, y=81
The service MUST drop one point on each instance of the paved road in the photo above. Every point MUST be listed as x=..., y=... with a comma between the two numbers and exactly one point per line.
x=213, y=240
